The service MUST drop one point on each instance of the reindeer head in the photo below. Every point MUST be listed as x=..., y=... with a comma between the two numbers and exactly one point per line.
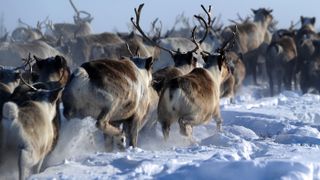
x=145, y=67
x=53, y=69
x=218, y=60
x=263, y=15
x=77, y=17
x=307, y=21
x=180, y=58
x=35, y=92
x=9, y=77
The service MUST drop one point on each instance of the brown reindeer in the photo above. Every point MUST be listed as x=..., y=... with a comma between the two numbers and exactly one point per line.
x=80, y=27
x=193, y=99
x=310, y=73
x=111, y=91
x=9, y=80
x=253, y=39
x=281, y=61
x=184, y=61
x=28, y=129
x=50, y=73
x=304, y=42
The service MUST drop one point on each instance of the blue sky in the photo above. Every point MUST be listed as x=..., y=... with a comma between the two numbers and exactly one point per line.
x=113, y=15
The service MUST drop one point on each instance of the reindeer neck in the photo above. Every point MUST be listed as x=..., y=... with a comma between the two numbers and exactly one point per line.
x=262, y=25
x=185, y=69
x=216, y=77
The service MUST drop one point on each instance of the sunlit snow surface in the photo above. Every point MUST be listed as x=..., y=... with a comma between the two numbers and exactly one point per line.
x=263, y=138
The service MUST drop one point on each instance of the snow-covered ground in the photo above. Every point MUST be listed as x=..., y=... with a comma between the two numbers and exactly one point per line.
x=263, y=138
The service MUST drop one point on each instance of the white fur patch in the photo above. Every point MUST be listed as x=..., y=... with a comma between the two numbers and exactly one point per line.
x=10, y=111
x=80, y=72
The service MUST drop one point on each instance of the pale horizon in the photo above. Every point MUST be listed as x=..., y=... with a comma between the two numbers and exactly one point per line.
x=115, y=15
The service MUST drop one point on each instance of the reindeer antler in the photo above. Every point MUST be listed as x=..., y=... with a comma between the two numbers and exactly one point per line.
x=27, y=62
x=129, y=50
x=136, y=24
x=77, y=17
x=206, y=24
x=40, y=23
x=23, y=23
x=135, y=53
x=27, y=84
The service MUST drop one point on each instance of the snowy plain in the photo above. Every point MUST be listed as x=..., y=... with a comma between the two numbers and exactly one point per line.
x=263, y=138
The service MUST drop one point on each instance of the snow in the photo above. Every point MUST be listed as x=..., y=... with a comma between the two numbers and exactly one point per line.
x=263, y=138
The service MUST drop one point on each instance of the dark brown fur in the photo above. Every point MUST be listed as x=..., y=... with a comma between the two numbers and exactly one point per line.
x=252, y=39
x=193, y=99
x=103, y=71
x=281, y=62
x=184, y=63
x=113, y=92
x=310, y=74
x=30, y=131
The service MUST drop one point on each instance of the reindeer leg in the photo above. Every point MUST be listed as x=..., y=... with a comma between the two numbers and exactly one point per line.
x=120, y=141
x=254, y=72
x=103, y=123
x=39, y=165
x=110, y=130
x=270, y=82
x=25, y=163
x=186, y=129
x=134, y=130
x=108, y=140
x=218, y=119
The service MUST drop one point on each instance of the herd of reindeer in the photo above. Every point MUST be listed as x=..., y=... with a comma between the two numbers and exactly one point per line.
x=133, y=81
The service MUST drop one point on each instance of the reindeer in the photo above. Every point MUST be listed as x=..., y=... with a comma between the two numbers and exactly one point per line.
x=116, y=50
x=27, y=33
x=81, y=26
x=281, y=60
x=50, y=73
x=28, y=129
x=9, y=80
x=233, y=82
x=310, y=73
x=252, y=38
x=111, y=91
x=52, y=70
x=12, y=53
x=184, y=61
x=304, y=42
x=80, y=49
x=193, y=99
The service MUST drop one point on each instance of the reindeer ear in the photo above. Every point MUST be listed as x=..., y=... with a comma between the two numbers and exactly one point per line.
x=254, y=11
x=270, y=11
x=205, y=58
x=39, y=62
x=60, y=61
x=36, y=58
x=313, y=20
x=220, y=62
x=191, y=59
x=17, y=75
x=194, y=61
x=131, y=35
x=149, y=63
